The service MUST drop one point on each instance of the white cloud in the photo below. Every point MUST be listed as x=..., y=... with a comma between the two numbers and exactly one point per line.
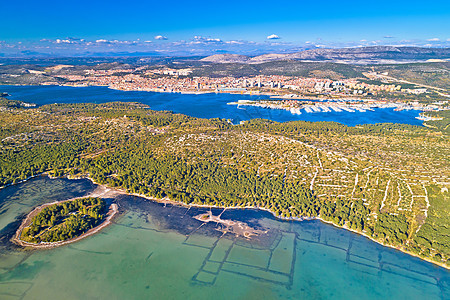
x=433, y=40
x=273, y=37
x=234, y=42
x=160, y=38
x=198, y=39
x=68, y=40
x=198, y=45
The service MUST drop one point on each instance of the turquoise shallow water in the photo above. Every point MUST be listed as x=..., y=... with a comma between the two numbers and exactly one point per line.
x=202, y=106
x=154, y=251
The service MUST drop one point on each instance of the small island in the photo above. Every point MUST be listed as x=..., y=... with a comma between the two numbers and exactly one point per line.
x=60, y=223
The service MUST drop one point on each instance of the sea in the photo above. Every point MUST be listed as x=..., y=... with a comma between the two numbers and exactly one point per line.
x=160, y=251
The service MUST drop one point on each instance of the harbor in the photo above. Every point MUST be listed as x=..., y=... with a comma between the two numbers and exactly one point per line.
x=297, y=107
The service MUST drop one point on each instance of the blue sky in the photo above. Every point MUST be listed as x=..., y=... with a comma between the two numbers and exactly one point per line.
x=296, y=23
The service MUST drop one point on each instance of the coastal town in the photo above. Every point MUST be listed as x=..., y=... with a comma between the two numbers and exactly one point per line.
x=179, y=80
x=290, y=93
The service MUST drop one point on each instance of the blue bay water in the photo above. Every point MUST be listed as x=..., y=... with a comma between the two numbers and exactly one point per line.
x=153, y=251
x=203, y=105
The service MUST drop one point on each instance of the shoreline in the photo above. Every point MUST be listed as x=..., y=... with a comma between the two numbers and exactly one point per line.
x=106, y=190
x=297, y=219
x=112, y=212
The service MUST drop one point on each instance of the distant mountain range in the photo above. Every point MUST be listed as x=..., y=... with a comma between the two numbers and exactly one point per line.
x=376, y=54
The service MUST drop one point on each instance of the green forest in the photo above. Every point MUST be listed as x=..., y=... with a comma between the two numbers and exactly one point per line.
x=66, y=220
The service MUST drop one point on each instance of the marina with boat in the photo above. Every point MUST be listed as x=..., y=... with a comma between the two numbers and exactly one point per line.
x=297, y=107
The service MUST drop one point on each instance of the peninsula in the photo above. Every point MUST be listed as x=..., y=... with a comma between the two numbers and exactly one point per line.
x=387, y=181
